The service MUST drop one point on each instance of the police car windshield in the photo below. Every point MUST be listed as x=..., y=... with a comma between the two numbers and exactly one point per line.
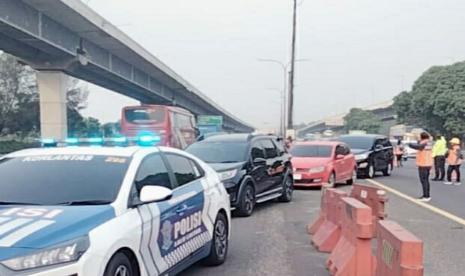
x=219, y=152
x=60, y=179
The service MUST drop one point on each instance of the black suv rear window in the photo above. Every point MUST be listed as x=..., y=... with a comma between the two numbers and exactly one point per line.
x=219, y=152
x=358, y=142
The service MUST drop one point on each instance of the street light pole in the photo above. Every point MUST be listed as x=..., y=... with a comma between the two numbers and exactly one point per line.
x=282, y=107
x=283, y=116
x=284, y=67
x=290, y=121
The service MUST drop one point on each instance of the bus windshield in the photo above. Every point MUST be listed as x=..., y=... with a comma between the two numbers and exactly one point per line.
x=144, y=115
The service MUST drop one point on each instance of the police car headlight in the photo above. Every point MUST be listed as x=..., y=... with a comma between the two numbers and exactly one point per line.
x=227, y=174
x=65, y=253
x=360, y=157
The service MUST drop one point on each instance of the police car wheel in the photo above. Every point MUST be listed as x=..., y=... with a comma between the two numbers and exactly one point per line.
x=288, y=190
x=219, y=247
x=246, y=202
x=119, y=265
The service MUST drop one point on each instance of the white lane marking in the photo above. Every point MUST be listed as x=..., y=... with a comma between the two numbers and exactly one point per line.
x=23, y=232
x=425, y=205
x=7, y=227
x=2, y=220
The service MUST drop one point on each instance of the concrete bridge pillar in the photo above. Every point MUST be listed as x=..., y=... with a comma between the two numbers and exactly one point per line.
x=53, y=115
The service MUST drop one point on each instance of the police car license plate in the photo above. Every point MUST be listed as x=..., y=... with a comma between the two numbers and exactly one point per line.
x=297, y=176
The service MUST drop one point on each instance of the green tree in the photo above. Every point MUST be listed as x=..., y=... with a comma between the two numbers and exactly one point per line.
x=436, y=102
x=93, y=128
x=18, y=92
x=19, y=101
x=111, y=129
x=359, y=119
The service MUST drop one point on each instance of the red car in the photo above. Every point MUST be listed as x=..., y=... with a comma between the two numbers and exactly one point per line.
x=319, y=162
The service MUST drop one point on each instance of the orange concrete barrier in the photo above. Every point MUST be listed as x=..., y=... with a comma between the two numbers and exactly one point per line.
x=399, y=252
x=329, y=232
x=352, y=255
x=313, y=227
x=373, y=197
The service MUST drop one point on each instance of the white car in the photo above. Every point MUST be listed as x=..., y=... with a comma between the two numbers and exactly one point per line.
x=409, y=152
x=118, y=211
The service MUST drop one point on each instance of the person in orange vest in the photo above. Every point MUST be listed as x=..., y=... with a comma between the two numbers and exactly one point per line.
x=424, y=162
x=399, y=153
x=454, y=160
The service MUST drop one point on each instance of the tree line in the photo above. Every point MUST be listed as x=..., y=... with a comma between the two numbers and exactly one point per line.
x=435, y=103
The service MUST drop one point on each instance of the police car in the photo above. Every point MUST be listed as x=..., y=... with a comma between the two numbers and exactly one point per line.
x=116, y=211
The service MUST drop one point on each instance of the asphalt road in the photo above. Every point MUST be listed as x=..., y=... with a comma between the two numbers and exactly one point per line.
x=448, y=198
x=443, y=238
x=273, y=241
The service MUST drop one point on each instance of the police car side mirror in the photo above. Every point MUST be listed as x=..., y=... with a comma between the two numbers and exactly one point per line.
x=150, y=194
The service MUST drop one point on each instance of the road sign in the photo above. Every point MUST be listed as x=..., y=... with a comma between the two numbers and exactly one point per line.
x=210, y=120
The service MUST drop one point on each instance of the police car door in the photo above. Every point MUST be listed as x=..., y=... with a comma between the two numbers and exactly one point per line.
x=182, y=229
x=152, y=171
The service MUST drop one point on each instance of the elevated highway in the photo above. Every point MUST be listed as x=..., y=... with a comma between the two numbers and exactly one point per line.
x=66, y=36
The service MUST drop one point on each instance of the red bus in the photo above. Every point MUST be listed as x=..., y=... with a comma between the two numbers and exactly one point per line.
x=175, y=126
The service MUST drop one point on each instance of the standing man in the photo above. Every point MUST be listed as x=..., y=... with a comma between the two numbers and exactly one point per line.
x=454, y=159
x=424, y=163
x=439, y=155
x=288, y=143
x=399, y=152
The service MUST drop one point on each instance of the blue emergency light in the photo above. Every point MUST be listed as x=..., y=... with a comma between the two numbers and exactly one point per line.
x=72, y=141
x=95, y=140
x=119, y=140
x=48, y=142
x=148, y=140
x=145, y=140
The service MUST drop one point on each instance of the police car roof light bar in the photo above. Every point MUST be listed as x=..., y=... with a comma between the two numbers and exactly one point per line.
x=148, y=140
x=49, y=143
x=121, y=141
x=95, y=140
x=71, y=141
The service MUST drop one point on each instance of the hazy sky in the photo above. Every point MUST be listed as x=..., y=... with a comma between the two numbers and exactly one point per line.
x=359, y=52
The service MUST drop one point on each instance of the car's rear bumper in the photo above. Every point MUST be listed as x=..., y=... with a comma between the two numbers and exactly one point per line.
x=308, y=185
x=308, y=182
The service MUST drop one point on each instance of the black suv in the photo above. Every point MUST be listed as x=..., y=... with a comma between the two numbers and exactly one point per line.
x=253, y=168
x=373, y=153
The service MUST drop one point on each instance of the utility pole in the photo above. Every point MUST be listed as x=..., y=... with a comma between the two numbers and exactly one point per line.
x=290, y=100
